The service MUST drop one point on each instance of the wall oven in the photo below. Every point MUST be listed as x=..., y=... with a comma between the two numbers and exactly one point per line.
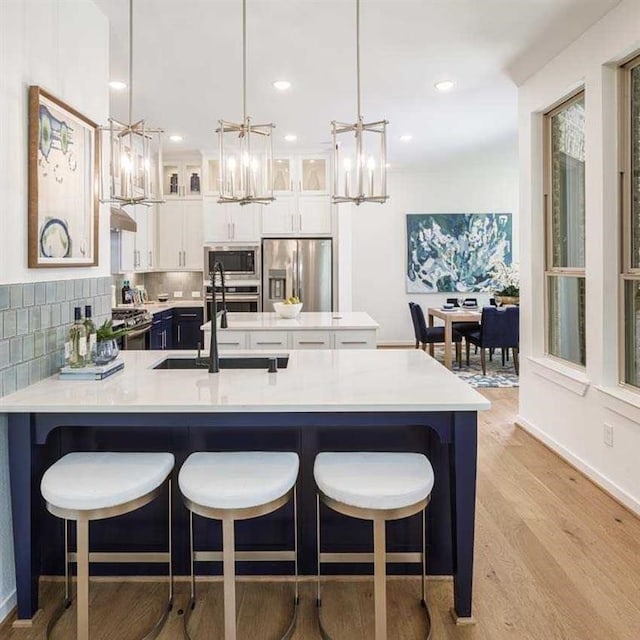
x=239, y=262
x=240, y=298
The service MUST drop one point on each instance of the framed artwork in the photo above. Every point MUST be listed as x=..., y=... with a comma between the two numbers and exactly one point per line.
x=63, y=182
x=456, y=252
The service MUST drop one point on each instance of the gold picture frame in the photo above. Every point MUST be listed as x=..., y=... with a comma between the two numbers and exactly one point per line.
x=63, y=184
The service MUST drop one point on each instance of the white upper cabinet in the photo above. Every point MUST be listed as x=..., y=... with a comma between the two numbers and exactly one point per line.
x=302, y=205
x=227, y=222
x=314, y=215
x=282, y=175
x=182, y=178
x=279, y=217
x=135, y=251
x=211, y=176
x=180, y=237
x=313, y=175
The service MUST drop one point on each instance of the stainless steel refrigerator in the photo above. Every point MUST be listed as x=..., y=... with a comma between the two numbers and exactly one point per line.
x=297, y=267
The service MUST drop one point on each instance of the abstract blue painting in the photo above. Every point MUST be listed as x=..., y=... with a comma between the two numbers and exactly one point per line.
x=456, y=252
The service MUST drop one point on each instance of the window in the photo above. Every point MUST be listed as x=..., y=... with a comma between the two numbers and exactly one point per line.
x=564, y=159
x=631, y=220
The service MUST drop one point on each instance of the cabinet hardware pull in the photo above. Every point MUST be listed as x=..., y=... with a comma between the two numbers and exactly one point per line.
x=150, y=258
x=311, y=342
x=188, y=315
x=272, y=342
x=179, y=334
x=353, y=342
x=235, y=344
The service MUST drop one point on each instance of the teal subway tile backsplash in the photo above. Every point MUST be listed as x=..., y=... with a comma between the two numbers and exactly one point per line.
x=34, y=322
x=4, y=297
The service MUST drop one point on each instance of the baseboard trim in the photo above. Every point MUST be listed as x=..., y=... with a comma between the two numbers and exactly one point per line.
x=603, y=483
x=8, y=605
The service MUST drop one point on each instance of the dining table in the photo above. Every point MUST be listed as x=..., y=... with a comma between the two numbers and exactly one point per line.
x=449, y=316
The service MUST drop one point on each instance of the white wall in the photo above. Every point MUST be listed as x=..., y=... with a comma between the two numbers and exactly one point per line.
x=579, y=402
x=63, y=46
x=483, y=183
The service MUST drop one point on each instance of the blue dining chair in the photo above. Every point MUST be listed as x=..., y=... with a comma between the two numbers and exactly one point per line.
x=499, y=328
x=432, y=335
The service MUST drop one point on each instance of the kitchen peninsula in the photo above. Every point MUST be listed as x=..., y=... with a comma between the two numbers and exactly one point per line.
x=362, y=399
x=314, y=330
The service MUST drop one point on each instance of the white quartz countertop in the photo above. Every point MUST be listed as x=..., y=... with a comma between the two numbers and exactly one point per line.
x=324, y=381
x=306, y=321
x=159, y=307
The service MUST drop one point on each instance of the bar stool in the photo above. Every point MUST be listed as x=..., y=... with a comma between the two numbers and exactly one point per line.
x=87, y=486
x=237, y=485
x=377, y=487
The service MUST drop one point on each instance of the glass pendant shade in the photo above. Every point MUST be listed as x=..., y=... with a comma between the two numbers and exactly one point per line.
x=359, y=152
x=131, y=160
x=359, y=162
x=246, y=162
x=135, y=164
x=246, y=153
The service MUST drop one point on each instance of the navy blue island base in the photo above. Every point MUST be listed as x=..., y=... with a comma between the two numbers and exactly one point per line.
x=448, y=438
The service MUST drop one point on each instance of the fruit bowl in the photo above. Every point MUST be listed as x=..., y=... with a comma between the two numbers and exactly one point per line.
x=287, y=310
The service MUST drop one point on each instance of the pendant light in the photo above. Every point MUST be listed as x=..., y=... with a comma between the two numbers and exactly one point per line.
x=246, y=154
x=134, y=159
x=359, y=152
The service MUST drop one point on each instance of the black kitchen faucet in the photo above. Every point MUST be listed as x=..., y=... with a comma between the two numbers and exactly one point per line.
x=214, y=362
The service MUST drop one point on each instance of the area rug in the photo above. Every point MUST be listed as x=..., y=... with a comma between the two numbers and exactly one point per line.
x=497, y=375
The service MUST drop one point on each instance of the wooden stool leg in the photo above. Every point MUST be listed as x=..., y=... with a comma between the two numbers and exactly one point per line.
x=82, y=529
x=380, y=578
x=229, y=568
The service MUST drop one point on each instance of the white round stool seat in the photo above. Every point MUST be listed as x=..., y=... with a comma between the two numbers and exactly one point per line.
x=237, y=479
x=372, y=480
x=85, y=481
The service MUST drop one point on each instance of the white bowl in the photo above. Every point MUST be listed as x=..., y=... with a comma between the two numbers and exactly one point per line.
x=287, y=310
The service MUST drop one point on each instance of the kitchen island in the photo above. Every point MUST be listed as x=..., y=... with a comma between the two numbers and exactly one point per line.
x=309, y=330
x=398, y=400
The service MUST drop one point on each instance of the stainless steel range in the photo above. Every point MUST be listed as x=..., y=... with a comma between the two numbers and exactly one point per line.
x=138, y=321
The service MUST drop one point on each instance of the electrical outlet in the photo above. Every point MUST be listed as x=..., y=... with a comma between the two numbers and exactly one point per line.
x=608, y=435
x=177, y=294
x=195, y=294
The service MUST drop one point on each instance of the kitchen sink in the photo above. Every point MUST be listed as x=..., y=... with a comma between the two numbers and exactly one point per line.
x=240, y=362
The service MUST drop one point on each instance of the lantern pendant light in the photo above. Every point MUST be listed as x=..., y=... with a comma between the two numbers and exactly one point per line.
x=359, y=152
x=134, y=160
x=246, y=153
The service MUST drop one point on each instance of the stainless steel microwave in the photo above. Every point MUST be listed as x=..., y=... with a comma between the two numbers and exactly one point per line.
x=237, y=261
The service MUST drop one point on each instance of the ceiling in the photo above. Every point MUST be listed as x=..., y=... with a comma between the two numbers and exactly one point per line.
x=187, y=67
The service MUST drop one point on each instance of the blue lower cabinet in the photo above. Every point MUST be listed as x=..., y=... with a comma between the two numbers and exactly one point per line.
x=162, y=331
x=186, y=328
x=156, y=340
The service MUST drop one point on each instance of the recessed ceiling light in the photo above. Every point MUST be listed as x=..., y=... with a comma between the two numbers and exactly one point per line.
x=406, y=137
x=290, y=137
x=176, y=138
x=282, y=85
x=444, y=85
x=118, y=85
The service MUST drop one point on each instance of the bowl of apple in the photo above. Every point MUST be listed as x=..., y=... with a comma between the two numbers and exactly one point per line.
x=290, y=308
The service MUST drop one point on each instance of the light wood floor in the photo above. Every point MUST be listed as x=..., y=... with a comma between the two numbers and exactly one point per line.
x=556, y=558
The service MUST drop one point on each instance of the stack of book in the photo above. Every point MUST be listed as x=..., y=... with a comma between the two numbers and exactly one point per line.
x=92, y=372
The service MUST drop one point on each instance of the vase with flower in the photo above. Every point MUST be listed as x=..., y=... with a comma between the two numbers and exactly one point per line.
x=506, y=284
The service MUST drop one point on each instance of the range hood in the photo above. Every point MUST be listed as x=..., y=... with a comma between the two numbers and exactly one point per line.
x=122, y=221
